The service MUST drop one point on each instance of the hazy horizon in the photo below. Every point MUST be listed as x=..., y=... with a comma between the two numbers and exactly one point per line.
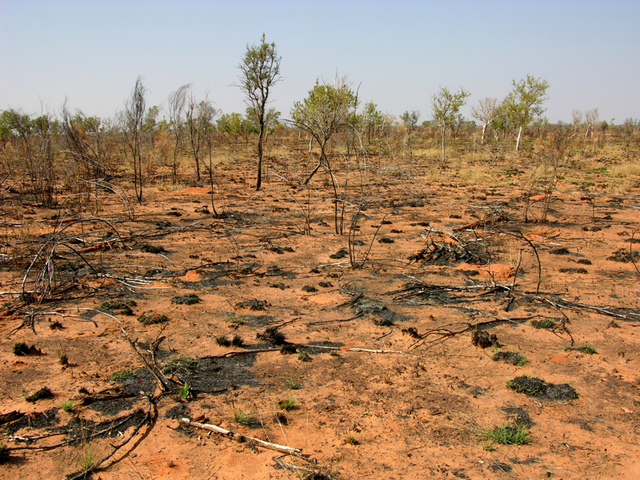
x=398, y=54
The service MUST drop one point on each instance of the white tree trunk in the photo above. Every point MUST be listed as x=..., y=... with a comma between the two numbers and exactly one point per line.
x=519, y=138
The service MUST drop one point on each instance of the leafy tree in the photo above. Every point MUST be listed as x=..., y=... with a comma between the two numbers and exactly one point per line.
x=372, y=119
x=33, y=141
x=231, y=124
x=410, y=120
x=445, y=107
x=485, y=113
x=524, y=103
x=260, y=71
x=324, y=113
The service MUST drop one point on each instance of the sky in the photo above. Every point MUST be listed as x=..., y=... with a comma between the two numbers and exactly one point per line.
x=397, y=53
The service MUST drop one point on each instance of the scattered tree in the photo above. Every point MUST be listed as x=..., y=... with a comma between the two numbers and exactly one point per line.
x=199, y=120
x=134, y=115
x=576, y=119
x=445, y=108
x=372, y=120
x=524, y=103
x=260, y=71
x=591, y=118
x=485, y=113
x=325, y=112
x=410, y=120
x=177, y=104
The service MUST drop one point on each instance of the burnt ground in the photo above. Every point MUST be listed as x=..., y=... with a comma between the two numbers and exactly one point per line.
x=443, y=290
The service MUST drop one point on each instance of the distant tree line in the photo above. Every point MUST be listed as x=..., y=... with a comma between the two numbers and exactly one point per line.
x=45, y=153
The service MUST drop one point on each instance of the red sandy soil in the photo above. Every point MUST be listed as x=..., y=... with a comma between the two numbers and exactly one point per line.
x=416, y=413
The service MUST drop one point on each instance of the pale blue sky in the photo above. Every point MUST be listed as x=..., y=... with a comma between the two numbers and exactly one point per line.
x=400, y=52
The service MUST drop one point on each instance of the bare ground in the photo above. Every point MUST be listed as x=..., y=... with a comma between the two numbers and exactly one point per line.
x=414, y=406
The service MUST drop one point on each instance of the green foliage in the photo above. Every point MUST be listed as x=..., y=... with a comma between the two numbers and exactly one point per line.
x=546, y=323
x=122, y=307
x=185, y=364
x=235, y=320
x=512, y=358
x=190, y=299
x=260, y=71
x=352, y=440
x=291, y=383
x=152, y=318
x=287, y=404
x=303, y=357
x=507, y=434
x=185, y=391
x=243, y=418
x=585, y=348
x=445, y=106
x=325, y=111
x=124, y=374
x=87, y=459
x=523, y=104
x=44, y=392
x=67, y=406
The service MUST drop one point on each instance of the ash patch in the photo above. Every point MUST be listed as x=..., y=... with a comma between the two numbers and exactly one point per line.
x=179, y=411
x=79, y=427
x=210, y=375
x=111, y=407
x=365, y=306
x=257, y=320
x=534, y=387
x=34, y=420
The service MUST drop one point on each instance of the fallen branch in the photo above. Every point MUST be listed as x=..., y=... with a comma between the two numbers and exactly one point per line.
x=237, y=353
x=243, y=438
x=355, y=349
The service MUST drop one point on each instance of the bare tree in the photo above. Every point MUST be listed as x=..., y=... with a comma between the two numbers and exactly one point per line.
x=576, y=119
x=134, y=115
x=260, y=70
x=199, y=119
x=177, y=104
x=591, y=118
x=485, y=113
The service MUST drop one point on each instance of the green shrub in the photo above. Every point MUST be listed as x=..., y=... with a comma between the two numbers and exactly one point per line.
x=507, y=434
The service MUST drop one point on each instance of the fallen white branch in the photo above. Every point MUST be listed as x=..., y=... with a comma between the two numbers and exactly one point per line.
x=242, y=438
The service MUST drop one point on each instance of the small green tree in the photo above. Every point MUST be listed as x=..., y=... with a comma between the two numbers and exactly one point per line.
x=260, y=69
x=372, y=119
x=325, y=112
x=524, y=103
x=445, y=107
x=410, y=120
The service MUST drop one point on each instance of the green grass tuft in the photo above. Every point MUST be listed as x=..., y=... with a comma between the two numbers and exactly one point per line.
x=287, y=404
x=507, y=434
x=588, y=349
